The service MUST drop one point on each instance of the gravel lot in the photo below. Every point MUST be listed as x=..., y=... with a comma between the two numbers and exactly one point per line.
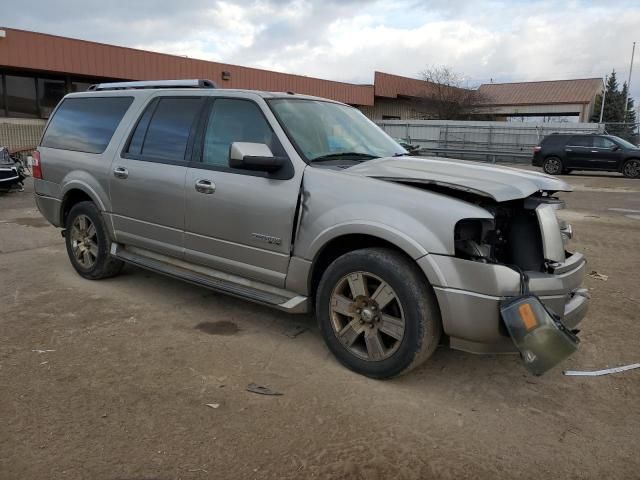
x=110, y=379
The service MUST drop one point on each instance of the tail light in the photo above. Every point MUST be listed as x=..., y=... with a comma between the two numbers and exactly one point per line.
x=537, y=149
x=36, y=167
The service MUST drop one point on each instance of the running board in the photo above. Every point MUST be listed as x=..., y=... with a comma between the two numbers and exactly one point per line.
x=251, y=290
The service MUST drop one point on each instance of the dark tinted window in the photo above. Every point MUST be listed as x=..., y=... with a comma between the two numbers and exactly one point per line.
x=135, y=144
x=168, y=131
x=581, y=141
x=21, y=96
x=50, y=92
x=235, y=121
x=552, y=140
x=85, y=124
x=602, y=142
x=3, y=112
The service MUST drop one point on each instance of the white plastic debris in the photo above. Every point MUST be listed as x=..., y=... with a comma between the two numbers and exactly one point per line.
x=43, y=351
x=597, y=373
x=212, y=405
x=599, y=276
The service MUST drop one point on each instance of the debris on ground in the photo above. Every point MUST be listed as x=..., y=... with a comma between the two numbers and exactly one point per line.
x=262, y=390
x=42, y=351
x=212, y=405
x=295, y=330
x=599, y=276
x=597, y=373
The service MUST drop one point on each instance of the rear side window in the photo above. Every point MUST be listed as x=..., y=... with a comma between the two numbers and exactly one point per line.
x=164, y=129
x=553, y=140
x=85, y=124
x=581, y=141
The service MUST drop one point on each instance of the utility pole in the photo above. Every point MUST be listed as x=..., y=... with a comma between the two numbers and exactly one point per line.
x=604, y=97
x=626, y=99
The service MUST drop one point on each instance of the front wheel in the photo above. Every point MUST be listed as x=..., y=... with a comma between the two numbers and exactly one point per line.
x=631, y=168
x=377, y=313
x=552, y=166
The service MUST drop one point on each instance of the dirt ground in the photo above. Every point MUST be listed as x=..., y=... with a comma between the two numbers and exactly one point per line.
x=111, y=379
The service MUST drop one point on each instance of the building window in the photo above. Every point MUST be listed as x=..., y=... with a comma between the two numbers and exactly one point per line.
x=50, y=92
x=3, y=111
x=80, y=86
x=21, y=96
x=390, y=117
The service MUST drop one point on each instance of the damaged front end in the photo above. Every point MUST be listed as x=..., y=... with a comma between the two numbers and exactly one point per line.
x=527, y=237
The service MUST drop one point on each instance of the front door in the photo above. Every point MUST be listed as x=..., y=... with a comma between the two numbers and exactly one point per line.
x=147, y=186
x=239, y=221
x=605, y=154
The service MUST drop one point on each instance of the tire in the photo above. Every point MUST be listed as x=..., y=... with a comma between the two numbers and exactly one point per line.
x=406, y=326
x=631, y=168
x=88, y=243
x=552, y=166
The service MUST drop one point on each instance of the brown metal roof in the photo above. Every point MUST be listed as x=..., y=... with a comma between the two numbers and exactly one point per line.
x=547, y=92
x=392, y=86
x=38, y=51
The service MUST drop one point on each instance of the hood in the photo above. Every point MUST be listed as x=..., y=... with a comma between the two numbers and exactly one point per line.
x=496, y=182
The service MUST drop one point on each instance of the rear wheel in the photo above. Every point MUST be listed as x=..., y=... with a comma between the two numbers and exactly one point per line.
x=88, y=243
x=631, y=168
x=377, y=313
x=552, y=166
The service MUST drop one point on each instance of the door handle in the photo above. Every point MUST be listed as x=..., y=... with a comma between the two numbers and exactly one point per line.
x=568, y=150
x=205, y=186
x=120, y=172
x=595, y=151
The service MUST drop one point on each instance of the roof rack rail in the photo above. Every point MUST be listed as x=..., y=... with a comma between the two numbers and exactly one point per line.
x=190, y=83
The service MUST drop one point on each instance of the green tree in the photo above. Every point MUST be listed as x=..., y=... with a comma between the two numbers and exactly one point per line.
x=618, y=120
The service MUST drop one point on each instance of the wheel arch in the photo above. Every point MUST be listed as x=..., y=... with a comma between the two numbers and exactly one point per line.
x=340, y=244
x=74, y=193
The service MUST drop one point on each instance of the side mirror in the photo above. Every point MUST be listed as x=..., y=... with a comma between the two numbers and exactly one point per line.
x=253, y=156
x=615, y=148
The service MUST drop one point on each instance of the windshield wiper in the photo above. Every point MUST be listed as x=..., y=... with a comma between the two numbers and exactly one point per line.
x=344, y=156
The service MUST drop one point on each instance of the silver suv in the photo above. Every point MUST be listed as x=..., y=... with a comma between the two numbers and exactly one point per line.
x=303, y=204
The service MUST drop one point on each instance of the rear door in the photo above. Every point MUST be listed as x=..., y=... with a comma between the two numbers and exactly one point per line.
x=148, y=176
x=578, y=151
x=243, y=222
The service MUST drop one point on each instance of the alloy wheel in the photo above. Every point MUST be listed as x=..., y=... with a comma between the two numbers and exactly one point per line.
x=632, y=168
x=367, y=316
x=84, y=241
x=553, y=166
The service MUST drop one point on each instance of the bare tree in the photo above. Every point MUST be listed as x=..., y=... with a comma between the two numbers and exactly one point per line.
x=448, y=95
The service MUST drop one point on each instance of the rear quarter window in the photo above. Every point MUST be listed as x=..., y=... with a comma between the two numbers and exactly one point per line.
x=85, y=124
x=553, y=140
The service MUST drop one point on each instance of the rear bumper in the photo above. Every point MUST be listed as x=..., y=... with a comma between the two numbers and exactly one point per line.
x=471, y=292
x=49, y=208
x=536, y=160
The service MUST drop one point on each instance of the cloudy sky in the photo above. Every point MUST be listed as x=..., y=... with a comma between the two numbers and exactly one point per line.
x=347, y=40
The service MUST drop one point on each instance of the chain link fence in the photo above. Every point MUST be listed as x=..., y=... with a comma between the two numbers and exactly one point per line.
x=483, y=141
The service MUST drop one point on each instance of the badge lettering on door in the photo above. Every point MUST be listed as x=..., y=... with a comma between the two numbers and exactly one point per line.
x=267, y=238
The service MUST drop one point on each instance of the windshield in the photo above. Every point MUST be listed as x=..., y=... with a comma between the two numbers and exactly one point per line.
x=330, y=131
x=623, y=142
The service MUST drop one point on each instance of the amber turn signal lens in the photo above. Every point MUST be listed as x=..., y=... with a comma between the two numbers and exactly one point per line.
x=527, y=316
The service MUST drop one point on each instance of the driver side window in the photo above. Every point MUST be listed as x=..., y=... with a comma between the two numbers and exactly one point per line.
x=235, y=120
x=601, y=142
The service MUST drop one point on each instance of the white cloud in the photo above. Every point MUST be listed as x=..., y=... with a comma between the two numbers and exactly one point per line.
x=349, y=39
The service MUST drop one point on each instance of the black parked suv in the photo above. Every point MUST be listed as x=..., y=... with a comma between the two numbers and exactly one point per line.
x=562, y=153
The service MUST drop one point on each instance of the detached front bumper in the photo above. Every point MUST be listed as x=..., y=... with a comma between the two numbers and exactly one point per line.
x=470, y=293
